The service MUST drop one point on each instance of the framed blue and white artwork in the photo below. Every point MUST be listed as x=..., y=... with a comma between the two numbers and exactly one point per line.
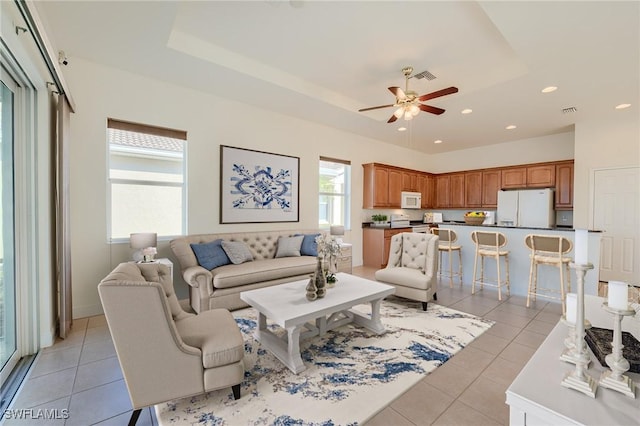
x=258, y=186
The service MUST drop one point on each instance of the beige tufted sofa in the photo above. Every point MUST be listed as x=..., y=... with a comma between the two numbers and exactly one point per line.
x=221, y=287
x=413, y=266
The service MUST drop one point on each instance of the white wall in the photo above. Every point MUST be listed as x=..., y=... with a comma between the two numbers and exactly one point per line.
x=102, y=92
x=605, y=144
x=534, y=150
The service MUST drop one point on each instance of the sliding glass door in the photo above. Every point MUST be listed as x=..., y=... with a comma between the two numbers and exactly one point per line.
x=8, y=335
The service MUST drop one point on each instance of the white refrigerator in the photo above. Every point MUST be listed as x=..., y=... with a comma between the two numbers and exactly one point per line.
x=527, y=208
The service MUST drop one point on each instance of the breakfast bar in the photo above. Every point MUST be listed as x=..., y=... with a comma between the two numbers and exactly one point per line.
x=519, y=261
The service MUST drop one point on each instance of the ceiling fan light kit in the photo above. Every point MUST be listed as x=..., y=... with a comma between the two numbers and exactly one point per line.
x=408, y=102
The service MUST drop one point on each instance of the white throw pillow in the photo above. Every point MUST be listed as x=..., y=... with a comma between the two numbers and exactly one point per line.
x=237, y=251
x=289, y=246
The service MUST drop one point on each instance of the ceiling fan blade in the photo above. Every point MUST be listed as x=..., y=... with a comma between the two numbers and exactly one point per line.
x=400, y=95
x=392, y=119
x=375, y=107
x=438, y=93
x=431, y=109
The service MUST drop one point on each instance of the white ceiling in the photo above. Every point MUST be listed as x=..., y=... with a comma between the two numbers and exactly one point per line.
x=322, y=61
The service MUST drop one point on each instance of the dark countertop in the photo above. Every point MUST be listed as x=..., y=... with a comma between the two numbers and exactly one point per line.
x=553, y=228
x=463, y=223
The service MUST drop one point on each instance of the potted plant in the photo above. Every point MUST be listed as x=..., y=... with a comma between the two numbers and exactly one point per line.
x=379, y=219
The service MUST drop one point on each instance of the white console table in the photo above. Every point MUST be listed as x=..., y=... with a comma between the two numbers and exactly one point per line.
x=536, y=397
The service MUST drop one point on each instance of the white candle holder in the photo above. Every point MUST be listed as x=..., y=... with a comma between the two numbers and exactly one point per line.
x=569, y=354
x=578, y=379
x=614, y=378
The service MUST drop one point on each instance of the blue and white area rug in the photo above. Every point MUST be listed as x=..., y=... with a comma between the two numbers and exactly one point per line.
x=351, y=373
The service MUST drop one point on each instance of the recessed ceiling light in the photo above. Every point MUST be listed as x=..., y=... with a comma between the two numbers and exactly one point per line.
x=510, y=127
x=623, y=106
x=466, y=111
x=402, y=129
x=437, y=141
x=549, y=89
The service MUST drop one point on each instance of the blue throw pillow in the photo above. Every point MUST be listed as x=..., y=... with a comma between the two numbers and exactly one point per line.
x=309, y=246
x=210, y=255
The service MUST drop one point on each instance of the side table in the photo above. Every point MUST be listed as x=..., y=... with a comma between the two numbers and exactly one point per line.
x=345, y=258
x=162, y=260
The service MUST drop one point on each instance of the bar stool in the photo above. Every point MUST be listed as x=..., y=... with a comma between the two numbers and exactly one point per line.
x=549, y=250
x=489, y=244
x=446, y=245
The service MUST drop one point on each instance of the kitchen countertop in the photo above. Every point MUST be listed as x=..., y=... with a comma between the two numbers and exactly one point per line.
x=553, y=228
x=462, y=223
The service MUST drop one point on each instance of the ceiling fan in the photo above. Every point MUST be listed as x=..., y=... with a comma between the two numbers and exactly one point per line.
x=408, y=102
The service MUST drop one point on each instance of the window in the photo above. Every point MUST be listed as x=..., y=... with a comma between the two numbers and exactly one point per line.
x=146, y=180
x=335, y=192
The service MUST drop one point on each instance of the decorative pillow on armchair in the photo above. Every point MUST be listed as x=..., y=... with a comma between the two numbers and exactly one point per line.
x=210, y=255
x=237, y=251
x=289, y=246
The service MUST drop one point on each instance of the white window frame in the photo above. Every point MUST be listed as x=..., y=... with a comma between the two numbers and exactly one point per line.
x=346, y=194
x=142, y=152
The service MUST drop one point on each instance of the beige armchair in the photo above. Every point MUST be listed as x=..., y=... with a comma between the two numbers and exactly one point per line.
x=412, y=266
x=164, y=352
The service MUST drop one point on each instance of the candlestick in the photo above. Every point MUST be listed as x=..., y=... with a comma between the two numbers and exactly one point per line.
x=569, y=353
x=615, y=379
x=578, y=379
x=572, y=304
x=581, y=246
x=618, y=295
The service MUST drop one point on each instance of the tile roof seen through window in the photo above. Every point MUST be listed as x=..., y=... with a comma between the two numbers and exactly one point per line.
x=144, y=140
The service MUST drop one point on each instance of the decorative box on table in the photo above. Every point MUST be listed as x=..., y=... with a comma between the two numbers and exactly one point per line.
x=599, y=340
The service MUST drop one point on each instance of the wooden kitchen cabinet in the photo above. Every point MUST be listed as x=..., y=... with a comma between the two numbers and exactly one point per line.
x=376, y=186
x=473, y=189
x=513, y=177
x=443, y=191
x=375, y=245
x=395, y=188
x=541, y=176
x=490, y=187
x=564, y=186
x=457, y=188
x=410, y=181
x=426, y=185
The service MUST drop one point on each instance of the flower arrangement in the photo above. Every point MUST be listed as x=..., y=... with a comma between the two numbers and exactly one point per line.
x=328, y=250
x=327, y=246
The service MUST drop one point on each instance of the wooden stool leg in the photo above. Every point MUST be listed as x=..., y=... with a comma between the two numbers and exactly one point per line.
x=450, y=269
x=562, y=298
x=481, y=272
x=568, y=278
x=460, y=265
x=498, y=272
x=530, y=282
x=475, y=267
x=506, y=263
x=535, y=282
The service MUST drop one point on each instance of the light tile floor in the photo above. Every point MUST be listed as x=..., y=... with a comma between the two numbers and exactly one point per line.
x=82, y=374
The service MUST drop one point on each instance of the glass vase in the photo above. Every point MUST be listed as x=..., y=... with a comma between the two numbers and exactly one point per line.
x=312, y=291
x=320, y=279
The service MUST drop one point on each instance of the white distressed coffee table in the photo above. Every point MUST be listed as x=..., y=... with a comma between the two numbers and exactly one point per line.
x=287, y=306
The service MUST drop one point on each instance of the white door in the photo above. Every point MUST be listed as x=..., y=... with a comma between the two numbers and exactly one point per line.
x=616, y=212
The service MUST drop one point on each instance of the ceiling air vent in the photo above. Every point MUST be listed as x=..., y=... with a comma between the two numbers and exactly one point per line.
x=569, y=110
x=424, y=74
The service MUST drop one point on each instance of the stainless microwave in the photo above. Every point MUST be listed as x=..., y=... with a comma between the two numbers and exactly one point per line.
x=411, y=200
